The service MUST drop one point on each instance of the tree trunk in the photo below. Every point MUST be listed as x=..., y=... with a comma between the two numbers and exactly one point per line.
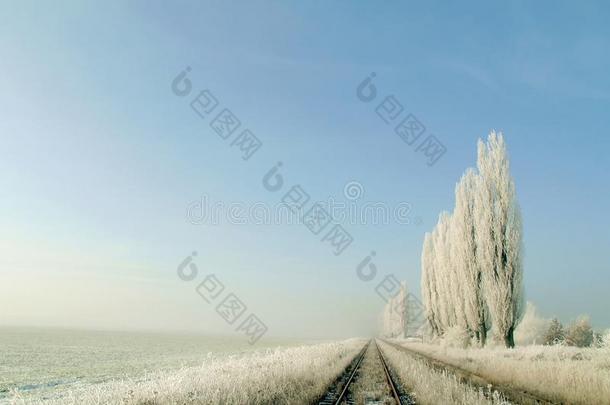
x=509, y=339
x=482, y=334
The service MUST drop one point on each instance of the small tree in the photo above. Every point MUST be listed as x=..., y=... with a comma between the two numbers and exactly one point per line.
x=555, y=334
x=580, y=333
x=395, y=314
x=606, y=339
x=598, y=339
x=429, y=286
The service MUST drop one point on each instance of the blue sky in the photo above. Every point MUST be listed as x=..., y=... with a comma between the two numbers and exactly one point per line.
x=99, y=159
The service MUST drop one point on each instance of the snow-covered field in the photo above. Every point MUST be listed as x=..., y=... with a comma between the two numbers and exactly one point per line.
x=562, y=374
x=295, y=375
x=40, y=362
x=432, y=387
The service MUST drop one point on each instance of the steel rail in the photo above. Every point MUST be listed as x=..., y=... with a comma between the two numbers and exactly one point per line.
x=331, y=398
x=388, y=377
x=352, y=375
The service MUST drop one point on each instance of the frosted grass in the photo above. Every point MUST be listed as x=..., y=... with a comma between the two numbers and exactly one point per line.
x=429, y=386
x=296, y=375
x=562, y=374
x=39, y=362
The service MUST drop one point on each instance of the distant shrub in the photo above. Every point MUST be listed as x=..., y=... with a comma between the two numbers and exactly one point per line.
x=598, y=340
x=532, y=329
x=606, y=339
x=456, y=337
x=555, y=333
x=580, y=333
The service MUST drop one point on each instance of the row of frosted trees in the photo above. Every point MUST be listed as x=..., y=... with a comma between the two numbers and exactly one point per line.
x=394, y=319
x=472, y=275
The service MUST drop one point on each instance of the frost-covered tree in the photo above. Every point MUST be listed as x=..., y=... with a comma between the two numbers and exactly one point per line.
x=457, y=287
x=555, y=333
x=401, y=310
x=463, y=247
x=442, y=269
x=498, y=235
x=436, y=285
x=606, y=339
x=429, y=285
x=472, y=271
x=395, y=314
x=598, y=339
x=386, y=328
x=580, y=333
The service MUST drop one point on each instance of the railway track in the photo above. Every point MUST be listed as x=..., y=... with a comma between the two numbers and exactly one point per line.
x=342, y=390
x=512, y=394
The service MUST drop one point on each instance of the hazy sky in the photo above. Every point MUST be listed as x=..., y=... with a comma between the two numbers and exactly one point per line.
x=99, y=160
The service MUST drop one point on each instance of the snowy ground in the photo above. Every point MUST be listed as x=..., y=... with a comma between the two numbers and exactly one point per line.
x=562, y=374
x=39, y=362
x=297, y=375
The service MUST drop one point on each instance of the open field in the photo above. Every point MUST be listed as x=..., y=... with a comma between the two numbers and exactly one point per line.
x=41, y=361
x=280, y=376
x=561, y=374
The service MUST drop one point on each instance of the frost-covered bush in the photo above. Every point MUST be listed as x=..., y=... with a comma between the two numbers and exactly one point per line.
x=606, y=339
x=580, y=333
x=456, y=337
x=532, y=329
x=555, y=333
x=601, y=339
